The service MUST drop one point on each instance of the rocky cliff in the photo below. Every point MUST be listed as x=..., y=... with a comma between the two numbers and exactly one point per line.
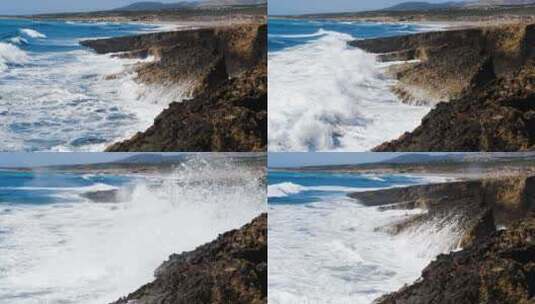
x=494, y=266
x=482, y=79
x=231, y=269
x=498, y=269
x=224, y=70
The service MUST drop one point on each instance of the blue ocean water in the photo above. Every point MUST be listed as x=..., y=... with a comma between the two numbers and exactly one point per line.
x=58, y=36
x=285, y=33
x=327, y=96
x=56, y=95
x=308, y=187
x=35, y=188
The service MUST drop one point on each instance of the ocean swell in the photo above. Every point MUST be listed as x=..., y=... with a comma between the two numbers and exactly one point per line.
x=11, y=55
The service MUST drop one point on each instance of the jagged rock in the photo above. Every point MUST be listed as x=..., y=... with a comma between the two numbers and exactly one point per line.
x=495, y=266
x=231, y=118
x=509, y=199
x=104, y=196
x=231, y=269
x=224, y=69
x=486, y=74
x=496, y=269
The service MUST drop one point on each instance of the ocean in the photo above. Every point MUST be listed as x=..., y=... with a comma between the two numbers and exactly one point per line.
x=58, y=247
x=55, y=95
x=326, y=96
x=324, y=247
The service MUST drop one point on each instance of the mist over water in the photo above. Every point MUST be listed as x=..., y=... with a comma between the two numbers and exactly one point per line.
x=327, y=248
x=58, y=247
x=58, y=96
x=327, y=96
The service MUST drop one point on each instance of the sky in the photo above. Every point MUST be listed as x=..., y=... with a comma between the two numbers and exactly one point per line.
x=17, y=159
x=295, y=7
x=26, y=7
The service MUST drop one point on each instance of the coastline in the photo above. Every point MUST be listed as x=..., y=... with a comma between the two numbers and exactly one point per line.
x=200, y=77
x=492, y=215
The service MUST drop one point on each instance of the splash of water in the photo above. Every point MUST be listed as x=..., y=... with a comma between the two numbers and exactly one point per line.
x=95, y=253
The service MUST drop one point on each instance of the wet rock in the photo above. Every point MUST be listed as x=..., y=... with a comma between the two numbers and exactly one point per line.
x=496, y=269
x=103, y=196
x=231, y=269
x=224, y=70
x=486, y=74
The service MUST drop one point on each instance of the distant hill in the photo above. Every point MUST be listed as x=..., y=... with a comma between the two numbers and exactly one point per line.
x=505, y=2
x=231, y=2
x=151, y=158
x=426, y=6
x=423, y=6
x=159, y=6
x=419, y=158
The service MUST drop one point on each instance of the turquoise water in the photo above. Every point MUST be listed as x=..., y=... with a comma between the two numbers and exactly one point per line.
x=55, y=95
x=34, y=188
x=298, y=187
x=286, y=33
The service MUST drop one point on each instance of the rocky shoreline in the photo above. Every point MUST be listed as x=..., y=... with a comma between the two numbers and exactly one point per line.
x=482, y=81
x=231, y=269
x=497, y=219
x=223, y=69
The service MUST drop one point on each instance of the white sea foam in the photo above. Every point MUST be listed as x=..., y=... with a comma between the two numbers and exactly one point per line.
x=73, y=104
x=287, y=188
x=318, y=33
x=18, y=40
x=331, y=252
x=33, y=33
x=325, y=95
x=284, y=189
x=11, y=54
x=95, y=253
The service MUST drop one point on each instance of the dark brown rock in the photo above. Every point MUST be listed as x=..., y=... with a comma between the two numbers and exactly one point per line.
x=230, y=118
x=231, y=269
x=498, y=269
x=486, y=74
x=224, y=69
x=494, y=266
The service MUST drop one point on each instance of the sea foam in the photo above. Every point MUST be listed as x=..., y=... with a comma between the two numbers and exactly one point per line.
x=83, y=252
x=11, y=54
x=33, y=33
x=325, y=95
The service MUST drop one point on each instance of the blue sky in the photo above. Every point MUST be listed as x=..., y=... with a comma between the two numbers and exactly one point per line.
x=289, y=7
x=21, y=7
x=17, y=159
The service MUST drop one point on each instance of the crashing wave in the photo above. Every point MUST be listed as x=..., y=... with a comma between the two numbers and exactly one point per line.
x=18, y=40
x=33, y=33
x=284, y=189
x=11, y=55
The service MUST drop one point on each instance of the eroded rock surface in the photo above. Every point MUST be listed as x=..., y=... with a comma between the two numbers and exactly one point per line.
x=231, y=269
x=497, y=269
x=224, y=70
x=494, y=266
x=483, y=78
